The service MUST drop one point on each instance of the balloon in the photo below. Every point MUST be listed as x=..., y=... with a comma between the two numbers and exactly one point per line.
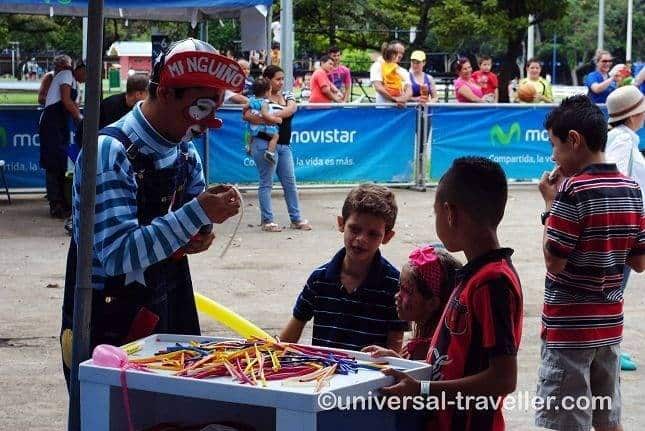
x=230, y=319
x=105, y=355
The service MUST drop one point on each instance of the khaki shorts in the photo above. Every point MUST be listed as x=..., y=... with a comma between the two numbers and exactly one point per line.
x=579, y=388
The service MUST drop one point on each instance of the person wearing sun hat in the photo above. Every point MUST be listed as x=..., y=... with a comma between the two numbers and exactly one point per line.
x=626, y=107
x=419, y=78
x=151, y=205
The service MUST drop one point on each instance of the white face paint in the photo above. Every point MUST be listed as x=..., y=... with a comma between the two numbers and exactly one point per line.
x=201, y=113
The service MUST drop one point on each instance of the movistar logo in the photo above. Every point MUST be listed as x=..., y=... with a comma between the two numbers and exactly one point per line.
x=3, y=137
x=498, y=136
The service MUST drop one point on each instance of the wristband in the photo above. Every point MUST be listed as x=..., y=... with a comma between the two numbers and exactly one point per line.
x=545, y=215
x=425, y=387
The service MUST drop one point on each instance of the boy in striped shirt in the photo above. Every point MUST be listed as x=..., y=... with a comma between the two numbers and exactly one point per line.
x=594, y=226
x=351, y=298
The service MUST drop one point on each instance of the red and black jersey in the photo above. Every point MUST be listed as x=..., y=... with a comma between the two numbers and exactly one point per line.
x=482, y=319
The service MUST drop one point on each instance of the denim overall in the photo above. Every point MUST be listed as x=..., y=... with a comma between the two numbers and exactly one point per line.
x=168, y=292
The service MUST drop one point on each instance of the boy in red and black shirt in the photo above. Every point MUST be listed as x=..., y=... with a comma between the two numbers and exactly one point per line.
x=473, y=351
x=594, y=226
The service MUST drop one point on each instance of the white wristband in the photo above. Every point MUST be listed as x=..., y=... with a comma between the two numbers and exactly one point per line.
x=425, y=387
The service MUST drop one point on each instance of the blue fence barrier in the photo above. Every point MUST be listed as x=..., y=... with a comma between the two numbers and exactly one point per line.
x=341, y=144
x=337, y=145
x=20, y=147
x=512, y=135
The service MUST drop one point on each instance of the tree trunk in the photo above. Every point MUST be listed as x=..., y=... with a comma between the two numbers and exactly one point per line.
x=509, y=68
x=422, y=28
x=331, y=32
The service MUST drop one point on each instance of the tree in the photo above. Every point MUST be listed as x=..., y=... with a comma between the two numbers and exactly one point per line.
x=4, y=31
x=460, y=23
x=578, y=43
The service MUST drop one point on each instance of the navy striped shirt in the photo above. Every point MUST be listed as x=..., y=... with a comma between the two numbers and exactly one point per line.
x=596, y=223
x=121, y=245
x=350, y=320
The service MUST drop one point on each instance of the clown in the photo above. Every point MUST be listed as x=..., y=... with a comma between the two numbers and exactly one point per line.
x=151, y=202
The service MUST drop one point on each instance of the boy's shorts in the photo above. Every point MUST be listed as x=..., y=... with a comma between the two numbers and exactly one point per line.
x=579, y=388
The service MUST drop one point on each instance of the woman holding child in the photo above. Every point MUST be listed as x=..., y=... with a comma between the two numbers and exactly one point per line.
x=466, y=89
x=283, y=105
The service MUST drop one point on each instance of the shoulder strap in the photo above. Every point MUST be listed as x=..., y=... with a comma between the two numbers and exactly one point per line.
x=119, y=135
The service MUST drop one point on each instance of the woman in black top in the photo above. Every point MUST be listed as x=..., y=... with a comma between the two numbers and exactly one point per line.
x=284, y=106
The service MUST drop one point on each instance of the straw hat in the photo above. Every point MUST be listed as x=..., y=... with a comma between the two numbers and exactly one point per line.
x=418, y=56
x=624, y=102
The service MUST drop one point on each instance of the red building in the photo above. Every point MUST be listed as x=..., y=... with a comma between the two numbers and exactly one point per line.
x=133, y=56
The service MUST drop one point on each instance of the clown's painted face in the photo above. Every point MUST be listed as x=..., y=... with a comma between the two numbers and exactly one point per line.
x=200, y=116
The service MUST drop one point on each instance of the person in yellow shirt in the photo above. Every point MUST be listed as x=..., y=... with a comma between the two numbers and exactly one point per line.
x=543, y=89
x=394, y=77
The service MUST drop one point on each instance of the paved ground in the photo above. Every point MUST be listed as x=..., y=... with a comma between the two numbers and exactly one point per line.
x=259, y=278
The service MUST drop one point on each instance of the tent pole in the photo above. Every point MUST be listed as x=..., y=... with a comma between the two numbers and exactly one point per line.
x=286, y=41
x=269, y=21
x=83, y=291
x=203, y=30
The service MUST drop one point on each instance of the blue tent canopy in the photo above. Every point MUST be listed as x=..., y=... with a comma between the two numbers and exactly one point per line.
x=155, y=10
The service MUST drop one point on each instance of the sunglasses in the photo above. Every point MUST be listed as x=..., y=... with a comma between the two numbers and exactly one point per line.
x=606, y=61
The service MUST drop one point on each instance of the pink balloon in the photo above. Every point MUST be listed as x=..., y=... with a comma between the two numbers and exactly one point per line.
x=109, y=356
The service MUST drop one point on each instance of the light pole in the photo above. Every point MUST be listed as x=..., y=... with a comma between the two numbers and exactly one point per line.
x=15, y=57
x=601, y=24
x=628, y=43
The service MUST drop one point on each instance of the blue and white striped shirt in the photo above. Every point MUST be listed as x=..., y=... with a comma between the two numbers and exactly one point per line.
x=121, y=245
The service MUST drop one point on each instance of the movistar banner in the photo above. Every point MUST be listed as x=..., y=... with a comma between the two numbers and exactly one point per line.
x=20, y=148
x=513, y=137
x=331, y=145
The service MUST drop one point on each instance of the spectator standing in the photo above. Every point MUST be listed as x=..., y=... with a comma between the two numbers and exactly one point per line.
x=61, y=62
x=376, y=76
x=421, y=83
x=594, y=227
x=599, y=83
x=53, y=128
x=487, y=80
x=626, y=107
x=116, y=106
x=274, y=59
x=322, y=89
x=248, y=80
x=466, y=89
x=283, y=104
x=543, y=89
x=340, y=75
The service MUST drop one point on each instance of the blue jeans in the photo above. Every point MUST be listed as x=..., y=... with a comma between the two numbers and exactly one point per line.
x=285, y=170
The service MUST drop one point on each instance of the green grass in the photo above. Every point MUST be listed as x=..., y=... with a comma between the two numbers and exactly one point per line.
x=31, y=97
x=19, y=98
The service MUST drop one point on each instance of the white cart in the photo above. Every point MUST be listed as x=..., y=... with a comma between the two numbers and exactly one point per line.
x=163, y=398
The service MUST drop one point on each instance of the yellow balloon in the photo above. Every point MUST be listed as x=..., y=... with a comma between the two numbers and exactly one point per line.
x=230, y=319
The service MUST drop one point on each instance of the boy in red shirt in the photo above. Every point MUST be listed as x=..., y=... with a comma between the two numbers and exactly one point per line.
x=487, y=80
x=594, y=227
x=473, y=351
